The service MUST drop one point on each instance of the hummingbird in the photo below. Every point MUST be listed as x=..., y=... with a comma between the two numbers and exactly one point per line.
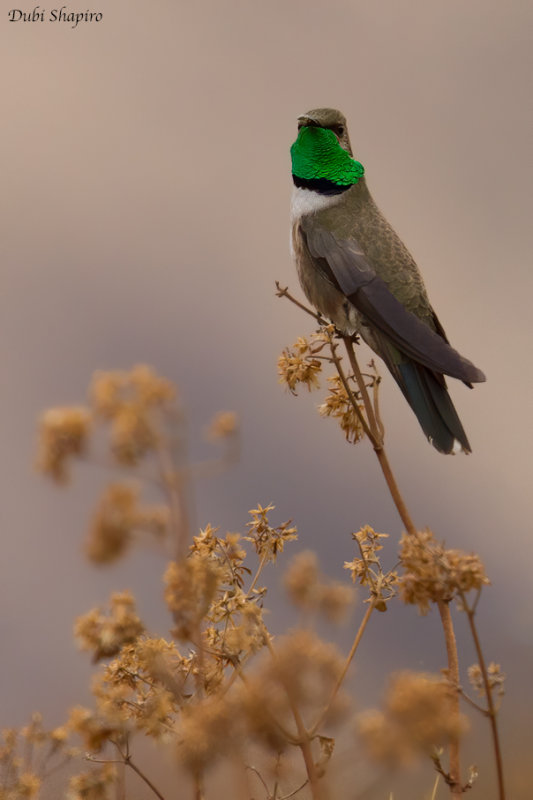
x=356, y=272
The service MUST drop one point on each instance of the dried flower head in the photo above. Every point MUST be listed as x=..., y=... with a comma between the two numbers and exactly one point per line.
x=496, y=679
x=299, y=364
x=191, y=586
x=63, y=434
x=300, y=673
x=418, y=716
x=111, y=391
x=143, y=688
x=339, y=406
x=223, y=425
x=207, y=730
x=93, y=728
x=433, y=573
x=105, y=634
x=367, y=569
x=28, y=786
x=117, y=518
x=28, y=754
x=131, y=402
x=268, y=541
x=311, y=592
x=94, y=784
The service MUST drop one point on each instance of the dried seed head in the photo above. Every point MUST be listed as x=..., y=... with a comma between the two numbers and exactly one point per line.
x=417, y=717
x=63, y=434
x=433, y=573
x=105, y=634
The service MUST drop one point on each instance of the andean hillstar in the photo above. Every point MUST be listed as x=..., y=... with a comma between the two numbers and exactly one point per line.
x=357, y=273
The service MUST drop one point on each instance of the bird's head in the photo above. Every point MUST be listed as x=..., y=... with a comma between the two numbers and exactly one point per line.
x=330, y=119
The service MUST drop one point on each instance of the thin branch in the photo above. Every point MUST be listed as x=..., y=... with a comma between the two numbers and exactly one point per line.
x=377, y=438
x=283, y=291
x=262, y=563
x=338, y=365
x=492, y=711
x=375, y=431
x=473, y=703
x=340, y=679
x=295, y=792
x=304, y=741
x=435, y=787
x=126, y=759
x=453, y=672
x=143, y=777
x=287, y=735
x=256, y=772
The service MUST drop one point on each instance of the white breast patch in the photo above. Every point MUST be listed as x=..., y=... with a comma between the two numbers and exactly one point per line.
x=306, y=201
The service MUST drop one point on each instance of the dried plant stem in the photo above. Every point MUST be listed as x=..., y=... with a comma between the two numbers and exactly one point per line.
x=120, y=792
x=283, y=291
x=492, y=711
x=340, y=679
x=173, y=483
x=377, y=438
x=444, y=609
x=373, y=427
x=453, y=674
x=143, y=777
x=126, y=760
x=304, y=740
x=435, y=787
x=344, y=380
x=287, y=735
x=395, y=492
x=377, y=442
x=264, y=559
x=198, y=788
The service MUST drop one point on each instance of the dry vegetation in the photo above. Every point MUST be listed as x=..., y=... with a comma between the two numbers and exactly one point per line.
x=221, y=687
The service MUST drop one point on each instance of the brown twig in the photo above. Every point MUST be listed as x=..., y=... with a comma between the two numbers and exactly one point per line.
x=126, y=759
x=453, y=673
x=374, y=430
x=283, y=291
x=340, y=679
x=353, y=400
x=304, y=740
x=491, y=711
x=377, y=438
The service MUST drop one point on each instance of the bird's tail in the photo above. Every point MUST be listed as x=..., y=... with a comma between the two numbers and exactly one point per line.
x=426, y=393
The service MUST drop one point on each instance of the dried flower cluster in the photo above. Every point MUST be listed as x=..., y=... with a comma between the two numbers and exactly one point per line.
x=367, y=569
x=131, y=402
x=496, y=679
x=28, y=754
x=340, y=406
x=63, y=434
x=417, y=717
x=221, y=683
x=299, y=363
x=223, y=425
x=118, y=518
x=95, y=784
x=433, y=573
x=268, y=541
x=309, y=591
x=106, y=634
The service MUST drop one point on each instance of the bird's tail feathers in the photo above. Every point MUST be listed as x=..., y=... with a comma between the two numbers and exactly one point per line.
x=427, y=395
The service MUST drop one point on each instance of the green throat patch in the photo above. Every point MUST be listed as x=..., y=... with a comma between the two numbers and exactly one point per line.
x=317, y=156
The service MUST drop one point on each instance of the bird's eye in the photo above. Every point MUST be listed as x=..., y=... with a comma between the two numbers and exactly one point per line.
x=339, y=130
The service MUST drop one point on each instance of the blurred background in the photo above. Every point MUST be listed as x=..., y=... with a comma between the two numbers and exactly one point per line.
x=145, y=212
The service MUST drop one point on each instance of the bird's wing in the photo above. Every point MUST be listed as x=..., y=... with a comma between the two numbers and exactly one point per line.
x=343, y=262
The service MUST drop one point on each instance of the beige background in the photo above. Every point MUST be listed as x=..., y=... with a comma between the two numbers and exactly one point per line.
x=146, y=183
